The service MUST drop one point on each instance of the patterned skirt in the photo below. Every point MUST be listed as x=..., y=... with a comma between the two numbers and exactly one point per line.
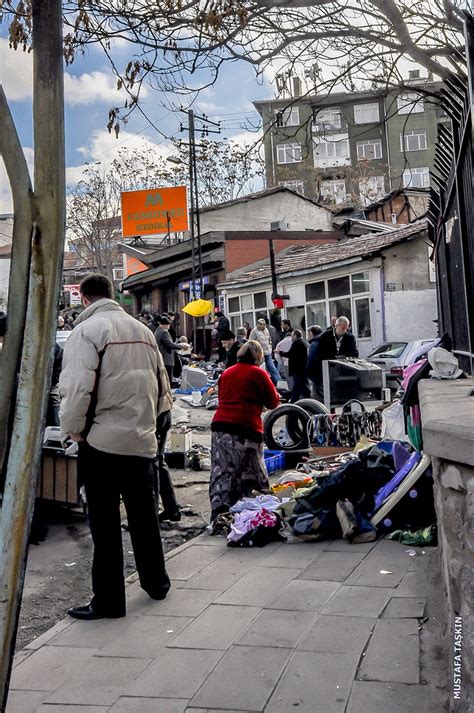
x=238, y=467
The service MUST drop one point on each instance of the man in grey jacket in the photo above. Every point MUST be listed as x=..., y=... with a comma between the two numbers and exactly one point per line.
x=166, y=345
x=113, y=386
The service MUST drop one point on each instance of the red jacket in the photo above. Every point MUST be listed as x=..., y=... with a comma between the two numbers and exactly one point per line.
x=244, y=389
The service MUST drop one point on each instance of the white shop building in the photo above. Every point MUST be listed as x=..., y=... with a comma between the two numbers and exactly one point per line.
x=383, y=282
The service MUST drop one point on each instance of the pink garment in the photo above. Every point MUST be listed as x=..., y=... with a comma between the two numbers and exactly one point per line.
x=415, y=415
x=410, y=370
x=263, y=517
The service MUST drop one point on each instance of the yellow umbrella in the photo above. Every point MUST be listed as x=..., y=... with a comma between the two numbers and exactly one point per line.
x=199, y=308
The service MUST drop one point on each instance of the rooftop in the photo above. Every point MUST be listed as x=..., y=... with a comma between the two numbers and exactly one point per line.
x=261, y=194
x=299, y=258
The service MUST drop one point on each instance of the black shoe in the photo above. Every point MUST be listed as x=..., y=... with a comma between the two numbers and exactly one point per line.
x=88, y=613
x=171, y=516
x=160, y=594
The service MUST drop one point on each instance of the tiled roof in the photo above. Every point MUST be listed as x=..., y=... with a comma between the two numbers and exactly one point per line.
x=302, y=257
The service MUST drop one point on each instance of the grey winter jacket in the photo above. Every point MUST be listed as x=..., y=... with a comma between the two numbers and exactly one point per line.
x=115, y=351
x=166, y=346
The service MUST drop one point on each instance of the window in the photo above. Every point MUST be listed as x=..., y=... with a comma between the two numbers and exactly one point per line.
x=360, y=282
x=362, y=315
x=366, y=113
x=334, y=191
x=369, y=149
x=413, y=140
x=260, y=300
x=416, y=177
x=332, y=151
x=234, y=304
x=327, y=119
x=341, y=308
x=317, y=315
x=390, y=350
x=246, y=302
x=297, y=186
x=371, y=189
x=288, y=117
x=410, y=103
x=288, y=153
x=339, y=286
x=315, y=291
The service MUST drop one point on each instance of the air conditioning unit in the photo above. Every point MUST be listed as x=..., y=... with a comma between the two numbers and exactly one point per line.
x=279, y=225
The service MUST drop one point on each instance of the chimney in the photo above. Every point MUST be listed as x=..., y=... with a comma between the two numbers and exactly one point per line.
x=296, y=81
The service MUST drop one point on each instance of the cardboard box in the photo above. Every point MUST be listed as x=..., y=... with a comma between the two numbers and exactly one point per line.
x=58, y=479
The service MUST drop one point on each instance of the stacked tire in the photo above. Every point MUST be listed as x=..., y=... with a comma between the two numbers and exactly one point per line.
x=294, y=434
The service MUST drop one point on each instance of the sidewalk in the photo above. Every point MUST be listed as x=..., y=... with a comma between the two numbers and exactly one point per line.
x=312, y=627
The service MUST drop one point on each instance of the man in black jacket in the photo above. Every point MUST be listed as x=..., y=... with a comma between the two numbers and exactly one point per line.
x=232, y=346
x=222, y=325
x=333, y=343
x=297, y=356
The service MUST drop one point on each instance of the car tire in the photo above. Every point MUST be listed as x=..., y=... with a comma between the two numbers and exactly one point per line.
x=297, y=421
x=312, y=406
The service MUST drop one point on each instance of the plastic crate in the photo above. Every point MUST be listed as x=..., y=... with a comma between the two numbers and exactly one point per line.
x=274, y=460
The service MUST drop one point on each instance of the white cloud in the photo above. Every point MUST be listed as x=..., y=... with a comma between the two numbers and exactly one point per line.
x=94, y=87
x=16, y=72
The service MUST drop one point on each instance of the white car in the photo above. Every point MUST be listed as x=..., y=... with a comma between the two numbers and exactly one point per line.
x=393, y=357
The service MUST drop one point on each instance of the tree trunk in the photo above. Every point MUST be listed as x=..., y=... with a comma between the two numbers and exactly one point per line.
x=44, y=282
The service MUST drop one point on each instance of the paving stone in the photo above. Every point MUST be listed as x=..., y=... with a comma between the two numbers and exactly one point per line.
x=47, y=668
x=216, y=628
x=299, y=554
x=99, y=682
x=243, y=679
x=413, y=584
x=393, y=653
x=405, y=608
x=145, y=637
x=344, y=546
x=221, y=575
x=332, y=566
x=372, y=697
x=277, y=628
x=190, y=561
x=338, y=635
x=368, y=573
x=126, y=704
x=176, y=673
x=20, y=656
x=24, y=701
x=358, y=601
x=50, y=634
x=51, y=708
x=258, y=587
x=304, y=595
x=183, y=602
x=314, y=682
x=90, y=635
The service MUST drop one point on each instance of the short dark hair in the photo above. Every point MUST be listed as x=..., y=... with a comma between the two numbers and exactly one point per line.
x=228, y=334
x=286, y=321
x=315, y=330
x=298, y=333
x=164, y=320
x=96, y=287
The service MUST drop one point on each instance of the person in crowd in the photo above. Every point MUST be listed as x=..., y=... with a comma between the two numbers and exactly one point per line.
x=274, y=336
x=173, y=331
x=286, y=329
x=332, y=323
x=63, y=325
x=52, y=413
x=314, y=334
x=333, y=343
x=297, y=356
x=238, y=465
x=248, y=327
x=222, y=325
x=163, y=483
x=242, y=334
x=283, y=346
x=112, y=386
x=261, y=334
x=166, y=345
x=232, y=345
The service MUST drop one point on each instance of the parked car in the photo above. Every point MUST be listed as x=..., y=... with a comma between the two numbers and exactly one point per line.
x=393, y=357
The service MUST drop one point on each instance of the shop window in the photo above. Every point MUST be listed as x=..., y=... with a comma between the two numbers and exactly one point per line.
x=234, y=304
x=317, y=315
x=360, y=282
x=246, y=302
x=260, y=300
x=362, y=311
x=315, y=291
x=341, y=308
x=338, y=286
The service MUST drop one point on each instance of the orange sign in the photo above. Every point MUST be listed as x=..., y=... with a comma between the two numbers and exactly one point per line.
x=153, y=211
x=134, y=265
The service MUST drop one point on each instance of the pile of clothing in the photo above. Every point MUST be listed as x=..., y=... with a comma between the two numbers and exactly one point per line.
x=334, y=498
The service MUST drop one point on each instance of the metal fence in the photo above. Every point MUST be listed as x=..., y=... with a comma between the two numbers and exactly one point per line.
x=451, y=211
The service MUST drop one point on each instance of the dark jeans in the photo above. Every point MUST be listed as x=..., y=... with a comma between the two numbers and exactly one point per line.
x=317, y=390
x=169, y=370
x=162, y=482
x=106, y=477
x=300, y=389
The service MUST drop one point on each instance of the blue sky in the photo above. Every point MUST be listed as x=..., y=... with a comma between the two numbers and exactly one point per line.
x=90, y=92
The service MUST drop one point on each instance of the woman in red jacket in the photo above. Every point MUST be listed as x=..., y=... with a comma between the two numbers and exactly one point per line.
x=238, y=465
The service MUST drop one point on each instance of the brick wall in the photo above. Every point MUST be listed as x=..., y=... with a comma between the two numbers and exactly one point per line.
x=240, y=253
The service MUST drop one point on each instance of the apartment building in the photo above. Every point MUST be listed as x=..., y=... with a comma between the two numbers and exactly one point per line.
x=350, y=149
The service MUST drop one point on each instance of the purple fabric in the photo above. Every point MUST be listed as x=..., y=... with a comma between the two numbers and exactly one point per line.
x=409, y=371
x=389, y=487
x=400, y=453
